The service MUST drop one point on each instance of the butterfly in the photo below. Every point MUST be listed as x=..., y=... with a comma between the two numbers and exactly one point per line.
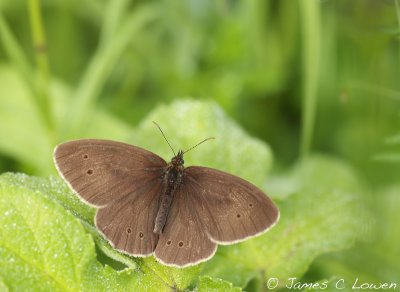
x=146, y=206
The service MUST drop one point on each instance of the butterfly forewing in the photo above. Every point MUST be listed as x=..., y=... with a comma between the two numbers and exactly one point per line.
x=102, y=171
x=183, y=241
x=230, y=208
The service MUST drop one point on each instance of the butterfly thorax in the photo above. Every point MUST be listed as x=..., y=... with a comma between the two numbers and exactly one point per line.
x=172, y=178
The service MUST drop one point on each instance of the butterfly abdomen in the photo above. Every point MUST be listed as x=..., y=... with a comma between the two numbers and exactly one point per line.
x=171, y=180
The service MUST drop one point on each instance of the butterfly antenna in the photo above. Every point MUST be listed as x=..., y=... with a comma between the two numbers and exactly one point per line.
x=164, y=137
x=211, y=138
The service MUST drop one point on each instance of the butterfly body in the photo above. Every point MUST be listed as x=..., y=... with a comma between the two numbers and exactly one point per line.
x=172, y=178
x=146, y=206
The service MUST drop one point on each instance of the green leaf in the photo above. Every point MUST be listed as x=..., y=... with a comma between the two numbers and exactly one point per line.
x=381, y=250
x=187, y=122
x=315, y=173
x=43, y=247
x=56, y=189
x=209, y=284
x=321, y=215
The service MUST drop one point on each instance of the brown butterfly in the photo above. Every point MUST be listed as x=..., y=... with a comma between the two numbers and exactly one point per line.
x=148, y=206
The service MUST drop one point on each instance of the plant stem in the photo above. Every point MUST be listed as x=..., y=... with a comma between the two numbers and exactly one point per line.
x=115, y=11
x=39, y=44
x=397, y=4
x=310, y=30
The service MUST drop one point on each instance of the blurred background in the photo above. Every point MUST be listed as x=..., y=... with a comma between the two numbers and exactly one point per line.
x=304, y=76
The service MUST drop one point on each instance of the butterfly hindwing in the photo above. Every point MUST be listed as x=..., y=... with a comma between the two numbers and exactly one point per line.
x=183, y=241
x=128, y=224
x=231, y=209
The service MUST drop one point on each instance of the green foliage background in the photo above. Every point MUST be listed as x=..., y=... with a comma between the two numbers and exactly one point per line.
x=302, y=97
